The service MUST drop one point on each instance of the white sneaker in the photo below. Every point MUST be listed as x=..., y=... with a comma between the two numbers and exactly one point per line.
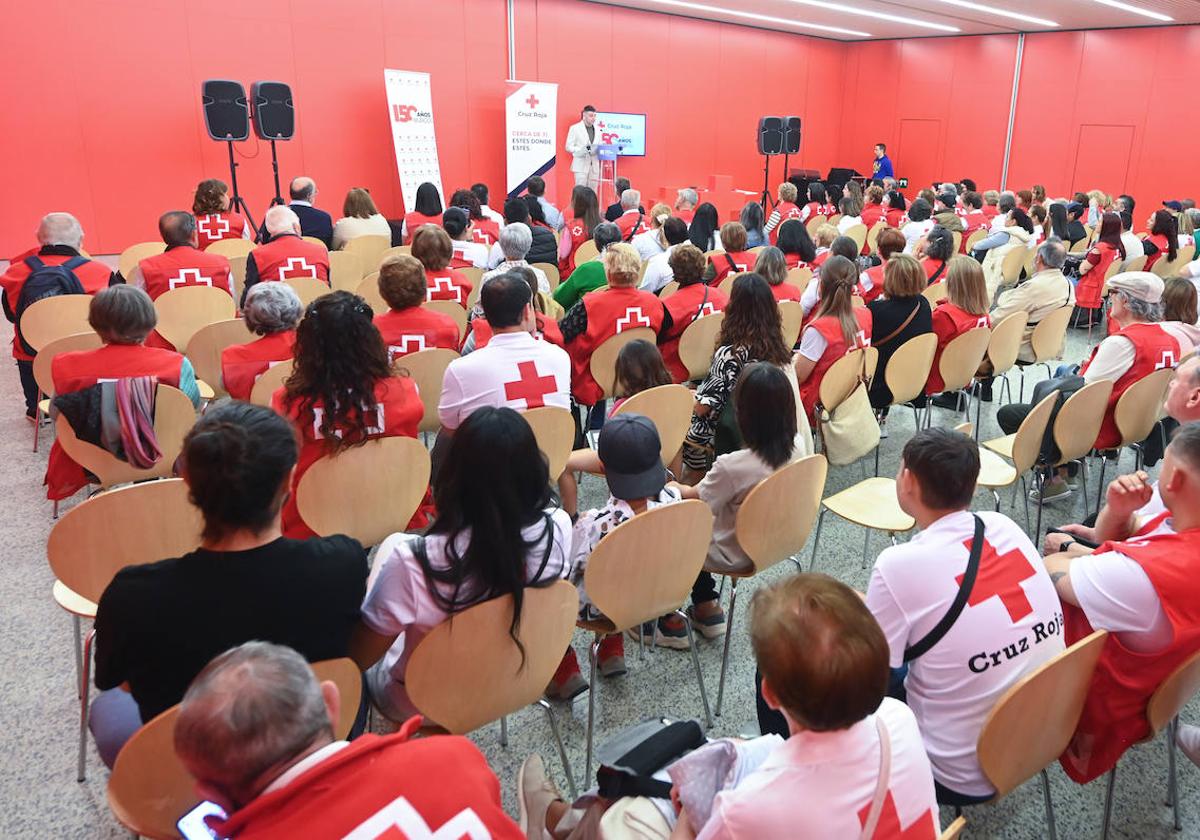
x=1188, y=739
x=535, y=793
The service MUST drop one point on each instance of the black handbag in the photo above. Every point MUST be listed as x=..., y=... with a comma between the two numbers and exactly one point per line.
x=641, y=751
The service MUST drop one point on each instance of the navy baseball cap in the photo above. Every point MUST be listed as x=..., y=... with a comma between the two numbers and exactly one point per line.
x=1177, y=206
x=631, y=452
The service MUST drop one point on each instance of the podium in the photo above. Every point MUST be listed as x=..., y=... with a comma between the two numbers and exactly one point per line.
x=607, y=153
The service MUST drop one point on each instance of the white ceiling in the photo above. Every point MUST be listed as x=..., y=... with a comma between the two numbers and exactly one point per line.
x=941, y=17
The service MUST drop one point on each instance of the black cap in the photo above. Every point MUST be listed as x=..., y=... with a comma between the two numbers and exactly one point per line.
x=948, y=198
x=631, y=452
x=1177, y=206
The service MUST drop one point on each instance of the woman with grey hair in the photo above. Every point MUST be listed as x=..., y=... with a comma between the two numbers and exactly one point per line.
x=272, y=310
x=515, y=241
x=772, y=265
x=752, y=220
x=934, y=251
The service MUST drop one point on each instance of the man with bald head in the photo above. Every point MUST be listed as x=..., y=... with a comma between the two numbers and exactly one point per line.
x=285, y=256
x=182, y=263
x=60, y=238
x=313, y=222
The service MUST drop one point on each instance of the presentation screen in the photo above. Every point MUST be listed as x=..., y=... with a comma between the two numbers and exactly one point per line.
x=627, y=129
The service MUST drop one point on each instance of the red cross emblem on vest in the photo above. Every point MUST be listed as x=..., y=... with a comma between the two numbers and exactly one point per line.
x=707, y=309
x=982, y=321
x=861, y=339
x=206, y=226
x=444, y=284
x=633, y=317
x=1166, y=361
x=1000, y=576
x=189, y=277
x=408, y=344
x=889, y=822
x=530, y=387
x=297, y=267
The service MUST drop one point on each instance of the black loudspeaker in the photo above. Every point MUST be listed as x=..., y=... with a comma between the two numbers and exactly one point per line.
x=770, y=135
x=274, y=113
x=791, y=135
x=226, y=112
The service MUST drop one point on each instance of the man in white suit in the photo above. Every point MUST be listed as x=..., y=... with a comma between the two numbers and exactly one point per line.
x=581, y=145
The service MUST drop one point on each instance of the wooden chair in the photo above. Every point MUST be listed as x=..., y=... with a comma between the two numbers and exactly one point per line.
x=345, y=271
x=799, y=277
x=308, y=288
x=669, y=407
x=954, y=830
x=1165, y=268
x=792, y=315
x=134, y=254
x=1136, y=264
x=1136, y=412
x=237, y=270
x=643, y=569
x=551, y=272
x=668, y=290
x=873, y=235
x=368, y=290
x=957, y=236
x=427, y=369
x=41, y=370
x=270, y=381
x=369, y=250
x=315, y=241
x=935, y=294
x=554, y=429
x=959, y=363
x=975, y=238
x=586, y=251
x=1013, y=265
x=770, y=531
x=206, y=346
x=1048, y=338
x=129, y=526
x=857, y=302
x=906, y=373
x=814, y=223
x=468, y=672
x=230, y=248
x=859, y=234
x=1005, y=344
x=871, y=504
x=1079, y=247
x=726, y=285
x=395, y=251
x=183, y=311
x=843, y=375
x=698, y=343
x=603, y=363
x=366, y=492
x=56, y=317
x=453, y=311
x=1033, y=721
x=835, y=218
x=150, y=789
x=1022, y=448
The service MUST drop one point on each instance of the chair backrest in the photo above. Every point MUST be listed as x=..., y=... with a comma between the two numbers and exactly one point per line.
x=206, y=345
x=134, y=254
x=345, y=270
x=308, y=288
x=66, y=344
x=368, y=290
x=726, y=285
x=668, y=290
x=791, y=314
x=1138, y=263
x=859, y=234
x=231, y=247
x=1175, y=692
x=468, y=671
x=55, y=317
x=237, y=272
x=394, y=251
x=1139, y=408
x=1014, y=261
x=962, y=356
x=975, y=238
x=1049, y=334
x=769, y=531
x=1078, y=421
x=369, y=250
x=554, y=429
x=128, y=526
x=699, y=342
x=669, y=407
x=935, y=293
x=450, y=309
x=427, y=369
x=316, y=241
x=799, y=277
x=603, y=363
x=957, y=236
x=840, y=379
x=1165, y=268
x=814, y=223
x=1005, y=341
x=1032, y=723
x=150, y=789
x=366, y=492
x=908, y=368
x=183, y=311
x=1027, y=443
x=1079, y=247
x=873, y=235
x=551, y=272
x=645, y=567
x=585, y=252
x=270, y=381
x=174, y=416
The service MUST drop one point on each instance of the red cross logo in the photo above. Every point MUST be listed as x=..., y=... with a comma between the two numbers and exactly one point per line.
x=1001, y=576
x=206, y=226
x=633, y=317
x=408, y=344
x=707, y=309
x=297, y=267
x=400, y=819
x=530, y=387
x=444, y=289
x=889, y=828
x=1167, y=360
x=532, y=101
x=861, y=339
x=601, y=124
x=983, y=321
x=189, y=277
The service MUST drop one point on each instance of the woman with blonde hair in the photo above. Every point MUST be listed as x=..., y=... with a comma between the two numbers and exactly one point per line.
x=214, y=219
x=360, y=217
x=837, y=329
x=964, y=308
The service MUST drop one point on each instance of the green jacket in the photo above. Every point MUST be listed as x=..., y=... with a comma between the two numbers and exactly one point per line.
x=586, y=277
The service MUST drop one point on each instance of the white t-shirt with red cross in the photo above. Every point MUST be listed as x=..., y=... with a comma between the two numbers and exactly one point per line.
x=1011, y=624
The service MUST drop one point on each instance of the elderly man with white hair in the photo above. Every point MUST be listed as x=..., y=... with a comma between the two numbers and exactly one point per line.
x=685, y=204
x=632, y=220
x=302, y=192
x=258, y=732
x=60, y=238
x=515, y=242
x=286, y=256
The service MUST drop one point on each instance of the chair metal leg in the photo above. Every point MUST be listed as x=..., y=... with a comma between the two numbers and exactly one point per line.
x=1083, y=480
x=866, y=545
x=812, y=567
x=877, y=448
x=83, y=705
x=593, y=655
x=1024, y=498
x=1108, y=801
x=996, y=496
x=78, y=624
x=916, y=417
x=562, y=750
x=1099, y=495
x=728, y=635
x=978, y=388
x=504, y=731
x=1021, y=391
x=687, y=624
x=37, y=418
x=1039, y=481
x=1172, y=771
x=1051, y=829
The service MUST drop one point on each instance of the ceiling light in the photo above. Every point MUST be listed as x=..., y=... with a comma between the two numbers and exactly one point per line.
x=850, y=10
x=992, y=10
x=1117, y=4
x=716, y=10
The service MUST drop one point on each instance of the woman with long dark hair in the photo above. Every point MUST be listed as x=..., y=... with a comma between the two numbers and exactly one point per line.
x=798, y=248
x=585, y=215
x=1107, y=247
x=895, y=206
x=485, y=231
x=837, y=329
x=1163, y=239
x=491, y=539
x=752, y=220
x=426, y=210
x=704, y=229
x=1056, y=222
x=818, y=200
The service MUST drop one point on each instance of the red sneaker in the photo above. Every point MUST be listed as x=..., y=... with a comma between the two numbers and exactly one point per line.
x=567, y=683
x=611, y=657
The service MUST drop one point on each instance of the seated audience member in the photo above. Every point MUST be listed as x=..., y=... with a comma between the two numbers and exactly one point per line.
x=632, y=220
x=433, y=248
x=991, y=200
x=407, y=326
x=513, y=368
x=1009, y=627
x=481, y=193
x=1016, y=231
x=817, y=204
x=785, y=210
x=542, y=248
x=797, y=246
x=182, y=263
x=536, y=217
x=1006, y=205
x=484, y=230
x=468, y=252
x=658, y=271
x=934, y=252
x=427, y=210
x=336, y=407
x=694, y=299
x=214, y=220
x=895, y=207
x=256, y=730
x=837, y=329
x=651, y=242
x=245, y=581
x=271, y=311
x=360, y=217
x=735, y=259
x=286, y=256
x=1143, y=590
x=313, y=221
x=751, y=218
x=537, y=188
x=59, y=237
x=873, y=210
x=516, y=239
x=545, y=317
x=1039, y=295
x=772, y=265
x=704, y=229
x=964, y=308
x=1107, y=248
x=585, y=215
x=1179, y=314
x=824, y=238
x=1075, y=228
x=920, y=222
x=588, y=276
x=973, y=216
x=888, y=245
x=686, y=200
x=1038, y=193
x=600, y=315
x=1056, y=222
x=850, y=209
x=902, y=313
x=123, y=317
x=490, y=539
x=945, y=212
x=1024, y=199
x=1039, y=215
x=1163, y=241
x=614, y=210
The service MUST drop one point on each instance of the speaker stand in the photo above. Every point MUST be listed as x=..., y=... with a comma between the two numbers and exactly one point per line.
x=278, y=199
x=237, y=202
x=766, y=193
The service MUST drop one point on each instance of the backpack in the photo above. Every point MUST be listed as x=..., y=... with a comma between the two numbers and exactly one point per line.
x=46, y=281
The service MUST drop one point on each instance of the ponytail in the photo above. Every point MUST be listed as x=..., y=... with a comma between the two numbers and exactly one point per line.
x=839, y=276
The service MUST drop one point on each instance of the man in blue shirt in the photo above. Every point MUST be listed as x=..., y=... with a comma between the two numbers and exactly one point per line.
x=882, y=166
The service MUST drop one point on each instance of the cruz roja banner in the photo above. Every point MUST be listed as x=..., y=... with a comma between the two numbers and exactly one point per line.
x=530, y=117
x=410, y=107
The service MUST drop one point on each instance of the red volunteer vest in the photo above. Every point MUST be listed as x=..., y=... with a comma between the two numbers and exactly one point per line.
x=894, y=217
x=831, y=329
x=485, y=231
x=1160, y=242
x=794, y=261
x=414, y=220
x=289, y=257
x=447, y=284
x=1114, y=713
x=786, y=291
x=961, y=321
x=731, y=262
x=828, y=210
x=812, y=209
x=93, y=276
x=414, y=329
x=787, y=211
x=397, y=412
x=686, y=305
x=609, y=312
x=217, y=226
x=934, y=267
x=686, y=215
x=1091, y=283
x=875, y=273
x=547, y=330
x=575, y=233
x=628, y=221
x=242, y=364
x=871, y=214
x=184, y=265
x=1153, y=349
x=819, y=259
x=991, y=211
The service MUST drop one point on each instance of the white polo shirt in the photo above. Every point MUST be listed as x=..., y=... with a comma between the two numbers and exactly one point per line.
x=658, y=272
x=647, y=244
x=1011, y=624
x=476, y=253
x=514, y=370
